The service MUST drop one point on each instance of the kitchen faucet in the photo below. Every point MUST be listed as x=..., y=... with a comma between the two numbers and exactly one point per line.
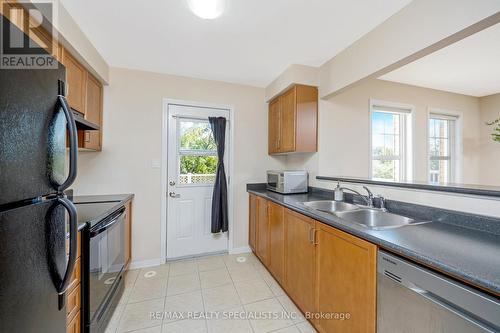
x=369, y=200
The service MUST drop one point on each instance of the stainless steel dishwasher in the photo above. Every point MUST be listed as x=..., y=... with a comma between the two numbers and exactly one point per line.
x=413, y=299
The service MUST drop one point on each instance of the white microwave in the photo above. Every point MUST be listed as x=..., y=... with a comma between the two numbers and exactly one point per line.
x=287, y=182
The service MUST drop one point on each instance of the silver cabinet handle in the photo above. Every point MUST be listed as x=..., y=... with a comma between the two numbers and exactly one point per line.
x=174, y=195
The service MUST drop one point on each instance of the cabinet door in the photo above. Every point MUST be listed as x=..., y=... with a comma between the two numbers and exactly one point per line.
x=345, y=281
x=262, y=230
x=93, y=113
x=274, y=127
x=288, y=119
x=306, y=135
x=74, y=324
x=75, y=82
x=276, y=240
x=252, y=221
x=299, y=259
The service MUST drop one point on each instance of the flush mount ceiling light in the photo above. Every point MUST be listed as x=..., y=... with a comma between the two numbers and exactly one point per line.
x=207, y=9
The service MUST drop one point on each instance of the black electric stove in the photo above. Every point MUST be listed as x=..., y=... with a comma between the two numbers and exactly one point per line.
x=103, y=252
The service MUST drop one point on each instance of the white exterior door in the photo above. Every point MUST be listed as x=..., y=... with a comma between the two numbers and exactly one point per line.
x=192, y=161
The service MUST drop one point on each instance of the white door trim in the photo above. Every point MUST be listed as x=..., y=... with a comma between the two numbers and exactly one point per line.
x=164, y=167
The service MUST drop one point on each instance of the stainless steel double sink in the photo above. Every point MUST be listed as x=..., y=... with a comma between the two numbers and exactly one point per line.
x=372, y=218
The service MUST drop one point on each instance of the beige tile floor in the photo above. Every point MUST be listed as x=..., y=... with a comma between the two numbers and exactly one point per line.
x=214, y=285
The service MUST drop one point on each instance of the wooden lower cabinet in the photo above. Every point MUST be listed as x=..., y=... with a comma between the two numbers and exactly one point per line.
x=327, y=273
x=74, y=293
x=345, y=281
x=299, y=260
x=276, y=241
x=128, y=233
x=74, y=325
x=262, y=243
x=252, y=222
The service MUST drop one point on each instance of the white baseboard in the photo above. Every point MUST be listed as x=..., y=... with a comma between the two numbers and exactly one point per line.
x=238, y=250
x=145, y=263
x=159, y=261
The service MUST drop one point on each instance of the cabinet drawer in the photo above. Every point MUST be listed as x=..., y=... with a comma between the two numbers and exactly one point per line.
x=73, y=302
x=74, y=324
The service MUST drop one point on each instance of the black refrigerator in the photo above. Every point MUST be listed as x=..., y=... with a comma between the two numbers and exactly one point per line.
x=36, y=220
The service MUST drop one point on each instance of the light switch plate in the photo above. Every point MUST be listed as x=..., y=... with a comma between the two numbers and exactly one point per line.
x=155, y=163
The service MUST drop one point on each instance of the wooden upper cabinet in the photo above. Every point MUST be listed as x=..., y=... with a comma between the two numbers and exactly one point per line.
x=262, y=241
x=293, y=121
x=93, y=112
x=345, y=281
x=252, y=221
x=288, y=120
x=274, y=127
x=276, y=241
x=299, y=260
x=76, y=77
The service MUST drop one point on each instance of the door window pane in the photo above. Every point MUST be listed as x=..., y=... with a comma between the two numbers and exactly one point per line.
x=196, y=135
x=197, y=169
x=197, y=153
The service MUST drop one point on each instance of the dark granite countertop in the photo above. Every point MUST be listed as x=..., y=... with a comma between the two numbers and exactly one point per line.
x=115, y=201
x=464, y=253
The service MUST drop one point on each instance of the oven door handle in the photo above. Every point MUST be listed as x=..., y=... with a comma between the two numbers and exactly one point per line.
x=121, y=213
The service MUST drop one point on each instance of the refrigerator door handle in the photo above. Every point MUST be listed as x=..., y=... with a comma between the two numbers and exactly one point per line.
x=73, y=230
x=73, y=143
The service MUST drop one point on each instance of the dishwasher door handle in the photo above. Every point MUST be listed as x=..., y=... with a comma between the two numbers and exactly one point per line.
x=450, y=307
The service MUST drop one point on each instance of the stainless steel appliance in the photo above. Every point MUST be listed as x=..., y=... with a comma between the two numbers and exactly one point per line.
x=414, y=299
x=103, y=263
x=34, y=267
x=287, y=182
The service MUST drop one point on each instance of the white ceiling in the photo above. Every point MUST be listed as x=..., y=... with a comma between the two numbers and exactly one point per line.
x=469, y=67
x=251, y=43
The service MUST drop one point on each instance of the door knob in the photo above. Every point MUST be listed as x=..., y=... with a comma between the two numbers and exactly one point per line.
x=171, y=183
x=174, y=195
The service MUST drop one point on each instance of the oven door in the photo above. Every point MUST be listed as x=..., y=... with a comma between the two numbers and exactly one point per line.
x=107, y=260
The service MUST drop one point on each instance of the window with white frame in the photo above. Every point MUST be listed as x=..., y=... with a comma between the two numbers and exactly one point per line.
x=197, y=152
x=391, y=144
x=442, y=147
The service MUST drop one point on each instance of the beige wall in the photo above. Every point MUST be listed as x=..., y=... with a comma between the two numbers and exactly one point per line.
x=490, y=150
x=132, y=139
x=294, y=74
x=396, y=42
x=344, y=130
x=344, y=142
